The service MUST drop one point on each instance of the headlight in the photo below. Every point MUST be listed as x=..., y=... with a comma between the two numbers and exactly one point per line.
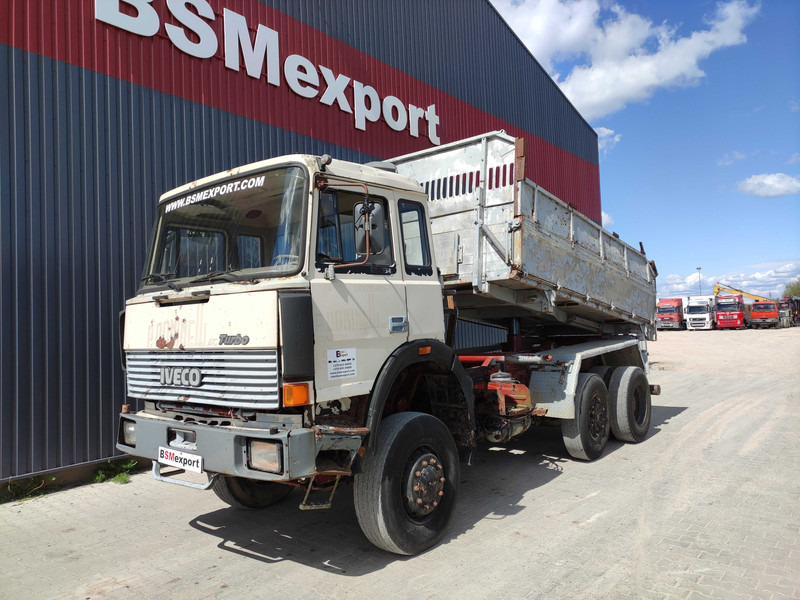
x=129, y=432
x=266, y=456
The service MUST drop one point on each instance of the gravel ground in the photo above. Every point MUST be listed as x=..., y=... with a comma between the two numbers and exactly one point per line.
x=708, y=506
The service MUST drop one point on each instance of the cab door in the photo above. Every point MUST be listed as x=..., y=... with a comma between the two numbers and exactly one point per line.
x=357, y=293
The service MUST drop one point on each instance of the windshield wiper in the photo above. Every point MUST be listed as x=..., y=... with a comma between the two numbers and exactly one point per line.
x=162, y=278
x=221, y=275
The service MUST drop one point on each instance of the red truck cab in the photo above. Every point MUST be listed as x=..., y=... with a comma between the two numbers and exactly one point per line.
x=669, y=314
x=730, y=311
x=764, y=314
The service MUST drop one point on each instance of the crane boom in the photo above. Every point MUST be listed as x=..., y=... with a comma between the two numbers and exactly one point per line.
x=718, y=287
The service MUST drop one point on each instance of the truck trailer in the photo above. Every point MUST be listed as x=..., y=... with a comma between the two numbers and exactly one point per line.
x=296, y=321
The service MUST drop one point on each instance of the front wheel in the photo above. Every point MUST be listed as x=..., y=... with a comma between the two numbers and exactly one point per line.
x=586, y=435
x=406, y=493
x=250, y=494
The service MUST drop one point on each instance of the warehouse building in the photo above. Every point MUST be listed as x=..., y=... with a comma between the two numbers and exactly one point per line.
x=107, y=104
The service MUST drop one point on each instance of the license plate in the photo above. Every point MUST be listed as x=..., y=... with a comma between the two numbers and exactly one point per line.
x=182, y=460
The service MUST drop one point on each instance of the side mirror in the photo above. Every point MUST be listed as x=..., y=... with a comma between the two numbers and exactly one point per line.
x=377, y=227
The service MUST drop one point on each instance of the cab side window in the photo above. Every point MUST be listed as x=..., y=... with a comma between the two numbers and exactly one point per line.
x=416, y=249
x=339, y=241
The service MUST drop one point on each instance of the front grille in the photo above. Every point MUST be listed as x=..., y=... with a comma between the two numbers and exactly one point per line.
x=241, y=379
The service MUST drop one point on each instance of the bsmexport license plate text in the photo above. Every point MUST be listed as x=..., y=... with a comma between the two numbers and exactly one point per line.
x=182, y=460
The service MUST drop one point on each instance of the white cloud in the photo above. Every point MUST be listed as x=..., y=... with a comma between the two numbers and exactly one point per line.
x=622, y=57
x=770, y=185
x=793, y=159
x=794, y=105
x=607, y=139
x=729, y=159
x=764, y=279
x=608, y=221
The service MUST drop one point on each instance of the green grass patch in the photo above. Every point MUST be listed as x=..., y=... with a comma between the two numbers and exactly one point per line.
x=118, y=471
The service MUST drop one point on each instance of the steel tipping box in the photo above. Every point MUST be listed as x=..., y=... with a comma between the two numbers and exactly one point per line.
x=523, y=251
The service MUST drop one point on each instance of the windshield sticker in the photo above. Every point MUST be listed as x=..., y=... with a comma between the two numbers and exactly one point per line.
x=234, y=186
x=341, y=363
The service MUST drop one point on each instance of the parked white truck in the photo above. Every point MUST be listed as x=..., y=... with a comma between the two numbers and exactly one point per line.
x=701, y=312
x=295, y=327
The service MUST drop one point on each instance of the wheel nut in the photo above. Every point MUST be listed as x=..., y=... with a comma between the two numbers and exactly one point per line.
x=441, y=493
x=435, y=504
x=416, y=488
x=433, y=461
x=442, y=479
x=418, y=473
x=419, y=500
x=424, y=463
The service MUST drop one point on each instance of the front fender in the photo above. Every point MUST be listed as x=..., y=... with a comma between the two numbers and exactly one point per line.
x=406, y=355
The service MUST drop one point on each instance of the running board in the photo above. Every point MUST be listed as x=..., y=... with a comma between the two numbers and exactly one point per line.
x=169, y=478
x=306, y=505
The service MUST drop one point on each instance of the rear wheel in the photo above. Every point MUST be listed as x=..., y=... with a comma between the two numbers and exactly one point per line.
x=586, y=435
x=406, y=493
x=604, y=371
x=249, y=494
x=630, y=407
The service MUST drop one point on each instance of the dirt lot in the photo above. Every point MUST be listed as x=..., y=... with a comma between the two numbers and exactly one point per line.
x=707, y=507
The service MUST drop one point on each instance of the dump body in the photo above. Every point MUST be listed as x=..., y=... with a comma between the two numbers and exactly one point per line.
x=508, y=248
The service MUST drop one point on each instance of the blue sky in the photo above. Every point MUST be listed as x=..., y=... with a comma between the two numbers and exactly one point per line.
x=697, y=108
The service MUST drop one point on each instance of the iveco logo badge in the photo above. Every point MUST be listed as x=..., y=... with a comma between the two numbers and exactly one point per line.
x=181, y=376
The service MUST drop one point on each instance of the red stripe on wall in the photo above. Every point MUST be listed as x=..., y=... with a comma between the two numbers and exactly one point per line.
x=67, y=31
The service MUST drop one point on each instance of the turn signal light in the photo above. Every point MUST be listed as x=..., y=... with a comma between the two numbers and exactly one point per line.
x=295, y=394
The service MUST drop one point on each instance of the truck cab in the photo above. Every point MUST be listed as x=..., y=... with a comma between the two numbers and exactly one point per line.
x=701, y=313
x=670, y=314
x=764, y=314
x=731, y=312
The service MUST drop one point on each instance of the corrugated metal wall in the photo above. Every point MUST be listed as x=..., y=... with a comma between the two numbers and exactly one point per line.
x=87, y=145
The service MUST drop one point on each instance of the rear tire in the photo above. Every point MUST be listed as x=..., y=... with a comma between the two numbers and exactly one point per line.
x=604, y=371
x=586, y=435
x=401, y=502
x=629, y=397
x=250, y=494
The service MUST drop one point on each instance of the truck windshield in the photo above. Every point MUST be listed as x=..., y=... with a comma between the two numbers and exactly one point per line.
x=763, y=307
x=697, y=309
x=247, y=228
x=667, y=310
x=728, y=306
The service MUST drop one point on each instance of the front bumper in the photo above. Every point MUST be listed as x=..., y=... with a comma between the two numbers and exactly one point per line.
x=669, y=325
x=224, y=448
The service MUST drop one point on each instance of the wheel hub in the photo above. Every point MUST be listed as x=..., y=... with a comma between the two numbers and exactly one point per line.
x=424, y=485
x=598, y=417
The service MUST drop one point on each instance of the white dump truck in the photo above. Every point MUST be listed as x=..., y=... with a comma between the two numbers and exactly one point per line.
x=297, y=318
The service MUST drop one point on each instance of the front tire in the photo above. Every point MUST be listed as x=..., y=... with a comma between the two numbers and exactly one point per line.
x=406, y=493
x=249, y=494
x=586, y=435
x=630, y=406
